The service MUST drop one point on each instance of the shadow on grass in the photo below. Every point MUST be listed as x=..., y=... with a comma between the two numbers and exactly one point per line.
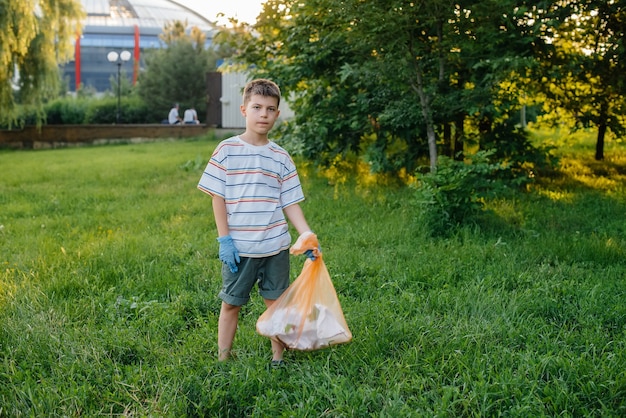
x=577, y=213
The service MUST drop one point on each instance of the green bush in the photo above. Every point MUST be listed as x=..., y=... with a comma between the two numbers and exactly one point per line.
x=513, y=146
x=66, y=111
x=103, y=110
x=455, y=194
x=136, y=110
x=28, y=115
x=89, y=109
x=132, y=110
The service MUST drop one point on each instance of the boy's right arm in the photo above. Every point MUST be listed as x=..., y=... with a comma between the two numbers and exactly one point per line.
x=228, y=253
x=221, y=219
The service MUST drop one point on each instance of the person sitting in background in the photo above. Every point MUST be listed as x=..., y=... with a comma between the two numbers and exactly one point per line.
x=191, y=117
x=173, y=117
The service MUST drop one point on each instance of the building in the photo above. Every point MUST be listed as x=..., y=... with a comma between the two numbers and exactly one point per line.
x=123, y=25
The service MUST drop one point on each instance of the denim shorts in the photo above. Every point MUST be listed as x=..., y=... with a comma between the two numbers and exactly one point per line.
x=271, y=274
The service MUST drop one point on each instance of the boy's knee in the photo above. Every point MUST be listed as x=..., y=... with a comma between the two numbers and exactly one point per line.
x=230, y=308
x=233, y=300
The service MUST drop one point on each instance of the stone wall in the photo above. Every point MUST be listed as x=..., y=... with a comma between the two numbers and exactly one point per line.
x=53, y=136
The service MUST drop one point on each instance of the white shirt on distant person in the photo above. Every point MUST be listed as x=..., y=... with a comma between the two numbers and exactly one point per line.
x=190, y=116
x=173, y=117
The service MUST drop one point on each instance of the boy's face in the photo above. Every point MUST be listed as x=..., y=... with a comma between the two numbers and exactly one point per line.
x=260, y=112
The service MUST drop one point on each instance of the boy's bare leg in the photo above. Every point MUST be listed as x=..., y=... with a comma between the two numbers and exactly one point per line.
x=277, y=346
x=226, y=329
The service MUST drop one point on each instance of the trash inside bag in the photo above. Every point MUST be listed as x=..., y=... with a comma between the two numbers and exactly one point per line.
x=307, y=316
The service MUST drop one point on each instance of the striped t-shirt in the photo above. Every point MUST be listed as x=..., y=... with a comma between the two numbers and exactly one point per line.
x=256, y=182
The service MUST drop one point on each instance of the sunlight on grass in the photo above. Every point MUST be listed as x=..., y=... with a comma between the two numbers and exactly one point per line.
x=601, y=183
x=557, y=195
x=595, y=175
x=576, y=150
x=564, y=137
x=344, y=171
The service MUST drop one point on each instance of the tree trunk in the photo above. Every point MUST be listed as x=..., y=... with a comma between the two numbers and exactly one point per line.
x=602, y=126
x=600, y=141
x=432, y=146
x=428, y=117
x=447, y=139
x=484, y=129
x=459, y=130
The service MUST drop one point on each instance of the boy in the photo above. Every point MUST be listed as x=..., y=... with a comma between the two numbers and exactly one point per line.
x=253, y=183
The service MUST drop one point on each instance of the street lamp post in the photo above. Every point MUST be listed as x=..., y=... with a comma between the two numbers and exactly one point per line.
x=119, y=59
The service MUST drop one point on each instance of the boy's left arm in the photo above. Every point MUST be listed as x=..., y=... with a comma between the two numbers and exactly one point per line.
x=296, y=217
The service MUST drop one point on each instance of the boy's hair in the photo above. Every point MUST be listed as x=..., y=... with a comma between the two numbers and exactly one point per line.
x=262, y=87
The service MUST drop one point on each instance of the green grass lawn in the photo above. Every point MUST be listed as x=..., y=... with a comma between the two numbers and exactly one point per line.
x=109, y=278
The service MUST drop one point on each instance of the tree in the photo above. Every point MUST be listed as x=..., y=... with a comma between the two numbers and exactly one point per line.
x=389, y=77
x=36, y=36
x=177, y=72
x=584, y=71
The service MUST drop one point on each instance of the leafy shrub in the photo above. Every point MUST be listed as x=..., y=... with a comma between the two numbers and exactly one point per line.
x=513, y=146
x=132, y=110
x=103, y=110
x=66, y=111
x=88, y=109
x=455, y=194
x=26, y=115
x=135, y=110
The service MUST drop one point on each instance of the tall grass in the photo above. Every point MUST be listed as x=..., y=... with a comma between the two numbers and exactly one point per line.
x=109, y=279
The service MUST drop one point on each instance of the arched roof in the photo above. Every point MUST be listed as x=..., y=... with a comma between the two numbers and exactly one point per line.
x=143, y=13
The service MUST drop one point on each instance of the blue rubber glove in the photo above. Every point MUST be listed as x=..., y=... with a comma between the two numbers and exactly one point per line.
x=229, y=254
x=311, y=253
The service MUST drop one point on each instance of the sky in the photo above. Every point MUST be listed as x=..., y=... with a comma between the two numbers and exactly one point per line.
x=243, y=10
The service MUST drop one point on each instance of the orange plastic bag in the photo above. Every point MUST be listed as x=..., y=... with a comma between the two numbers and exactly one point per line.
x=307, y=316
